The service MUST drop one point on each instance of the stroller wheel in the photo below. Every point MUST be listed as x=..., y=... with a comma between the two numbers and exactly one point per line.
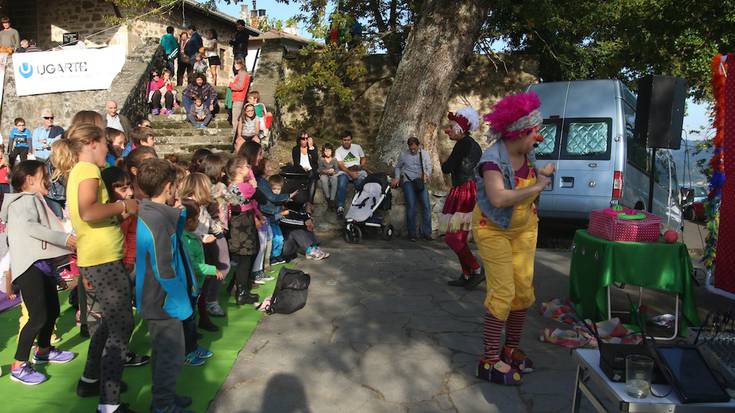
x=388, y=232
x=353, y=234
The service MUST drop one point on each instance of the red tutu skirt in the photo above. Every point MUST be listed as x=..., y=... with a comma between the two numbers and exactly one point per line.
x=457, y=212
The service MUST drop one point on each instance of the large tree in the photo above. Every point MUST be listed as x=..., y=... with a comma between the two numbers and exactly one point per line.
x=438, y=48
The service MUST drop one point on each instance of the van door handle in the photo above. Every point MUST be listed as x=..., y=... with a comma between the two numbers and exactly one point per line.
x=567, y=182
x=592, y=165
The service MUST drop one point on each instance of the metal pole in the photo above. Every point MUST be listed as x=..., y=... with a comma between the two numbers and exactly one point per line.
x=651, y=180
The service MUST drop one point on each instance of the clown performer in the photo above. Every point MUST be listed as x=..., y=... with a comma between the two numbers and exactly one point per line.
x=505, y=228
x=456, y=216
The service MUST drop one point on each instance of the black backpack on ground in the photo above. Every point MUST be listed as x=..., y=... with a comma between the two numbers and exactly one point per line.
x=290, y=293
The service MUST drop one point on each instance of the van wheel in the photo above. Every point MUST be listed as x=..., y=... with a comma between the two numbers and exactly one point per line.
x=639, y=206
x=688, y=214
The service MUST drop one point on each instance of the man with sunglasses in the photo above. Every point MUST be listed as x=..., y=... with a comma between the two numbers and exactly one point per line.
x=44, y=135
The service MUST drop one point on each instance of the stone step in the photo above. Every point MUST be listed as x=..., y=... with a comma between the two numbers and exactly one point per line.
x=184, y=126
x=221, y=90
x=192, y=131
x=193, y=140
x=183, y=150
x=180, y=116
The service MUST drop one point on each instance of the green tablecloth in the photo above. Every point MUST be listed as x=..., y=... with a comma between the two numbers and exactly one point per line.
x=597, y=263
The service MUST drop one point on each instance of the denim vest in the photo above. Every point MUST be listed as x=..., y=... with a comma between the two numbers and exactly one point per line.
x=498, y=154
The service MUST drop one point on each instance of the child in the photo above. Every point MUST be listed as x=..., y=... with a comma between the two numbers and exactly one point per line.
x=143, y=136
x=4, y=173
x=35, y=237
x=248, y=127
x=328, y=169
x=274, y=211
x=115, y=145
x=99, y=257
x=194, y=246
x=216, y=253
x=200, y=63
x=260, y=111
x=163, y=281
x=119, y=188
x=19, y=141
x=244, y=224
x=199, y=115
x=196, y=159
x=195, y=188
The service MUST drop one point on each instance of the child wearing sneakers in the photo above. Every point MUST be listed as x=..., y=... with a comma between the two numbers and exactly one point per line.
x=202, y=270
x=164, y=282
x=35, y=237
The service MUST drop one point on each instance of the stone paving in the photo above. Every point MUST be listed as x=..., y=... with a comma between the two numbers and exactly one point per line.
x=382, y=332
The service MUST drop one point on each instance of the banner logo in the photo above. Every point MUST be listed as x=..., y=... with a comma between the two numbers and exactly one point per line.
x=25, y=70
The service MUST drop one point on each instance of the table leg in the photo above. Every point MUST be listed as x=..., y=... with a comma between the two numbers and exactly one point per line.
x=577, y=391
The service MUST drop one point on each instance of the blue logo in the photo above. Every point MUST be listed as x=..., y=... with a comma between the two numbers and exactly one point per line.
x=25, y=70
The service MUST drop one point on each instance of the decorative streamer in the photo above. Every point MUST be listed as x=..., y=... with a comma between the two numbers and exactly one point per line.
x=716, y=164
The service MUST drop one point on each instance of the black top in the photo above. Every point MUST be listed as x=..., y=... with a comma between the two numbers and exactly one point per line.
x=463, y=160
x=313, y=157
x=194, y=44
x=240, y=43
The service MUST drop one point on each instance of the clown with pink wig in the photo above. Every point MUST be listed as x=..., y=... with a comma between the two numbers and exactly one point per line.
x=505, y=228
x=456, y=216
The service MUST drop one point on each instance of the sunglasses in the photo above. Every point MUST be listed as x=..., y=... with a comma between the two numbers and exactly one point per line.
x=48, y=117
x=304, y=138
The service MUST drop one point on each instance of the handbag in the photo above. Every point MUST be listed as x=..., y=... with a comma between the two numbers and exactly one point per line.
x=418, y=183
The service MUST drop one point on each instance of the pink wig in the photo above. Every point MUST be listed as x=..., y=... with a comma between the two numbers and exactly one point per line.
x=509, y=110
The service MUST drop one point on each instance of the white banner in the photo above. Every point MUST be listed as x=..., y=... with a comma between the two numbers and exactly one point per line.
x=67, y=70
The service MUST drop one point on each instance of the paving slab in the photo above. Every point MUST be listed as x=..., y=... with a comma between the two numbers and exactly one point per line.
x=382, y=332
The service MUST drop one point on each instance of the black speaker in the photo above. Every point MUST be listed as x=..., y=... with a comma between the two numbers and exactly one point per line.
x=660, y=111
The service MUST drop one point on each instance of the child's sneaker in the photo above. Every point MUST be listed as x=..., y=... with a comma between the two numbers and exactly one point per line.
x=203, y=353
x=53, y=356
x=155, y=111
x=135, y=360
x=215, y=310
x=277, y=260
x=193, y=359
x=26, y=374
x=324, y=253
x=315, y=255
x=517, y=359
x=499, y=373
x=259, y=277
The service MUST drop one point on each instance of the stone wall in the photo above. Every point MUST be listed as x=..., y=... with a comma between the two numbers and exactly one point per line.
x=128, y=89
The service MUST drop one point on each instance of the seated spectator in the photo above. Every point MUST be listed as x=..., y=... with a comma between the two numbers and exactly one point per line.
x=19, y=142
x=44, y=135
x=32, y=47
x=261, y=112
x=200, y=87
x=199, y=114
x=142, y=136
x=413, y=166
x=328, y=170
x=160, y=93
x=298, y=233
x=23, y=46
x=114, y=119
x=248, y=127
x=351, y=161
x=303, y=156
x=200, y=63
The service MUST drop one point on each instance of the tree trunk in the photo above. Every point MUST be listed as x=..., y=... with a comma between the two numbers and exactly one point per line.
x=437, y=49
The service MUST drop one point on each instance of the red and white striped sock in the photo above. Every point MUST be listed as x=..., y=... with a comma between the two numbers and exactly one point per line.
x=492, y=329
x=514, y=328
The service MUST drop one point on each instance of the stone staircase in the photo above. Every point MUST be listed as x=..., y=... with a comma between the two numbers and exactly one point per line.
x=175, y=135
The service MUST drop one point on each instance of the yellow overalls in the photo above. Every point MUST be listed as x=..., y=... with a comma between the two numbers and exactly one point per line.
x=508, y=255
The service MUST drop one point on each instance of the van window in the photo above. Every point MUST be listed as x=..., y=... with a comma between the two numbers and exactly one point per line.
x=587, y=139
x=551, y=131
x=548, y=131
x=636, y=151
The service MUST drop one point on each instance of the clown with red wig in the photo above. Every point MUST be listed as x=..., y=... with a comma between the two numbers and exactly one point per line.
x=505, y=228
x=456, y=216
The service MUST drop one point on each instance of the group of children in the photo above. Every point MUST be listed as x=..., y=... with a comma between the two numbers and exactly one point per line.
x=163, y=233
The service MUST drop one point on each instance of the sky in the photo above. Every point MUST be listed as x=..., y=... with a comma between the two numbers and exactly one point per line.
x=696, y=116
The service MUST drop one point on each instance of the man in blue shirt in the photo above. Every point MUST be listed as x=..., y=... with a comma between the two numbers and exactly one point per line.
x=44, y=135
x=194, y=44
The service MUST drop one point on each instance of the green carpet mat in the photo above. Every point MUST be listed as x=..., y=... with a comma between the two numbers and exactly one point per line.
x=58, y=394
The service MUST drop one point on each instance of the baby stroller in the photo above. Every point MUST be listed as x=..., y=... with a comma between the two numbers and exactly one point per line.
x=373, y=196
x=295, y=179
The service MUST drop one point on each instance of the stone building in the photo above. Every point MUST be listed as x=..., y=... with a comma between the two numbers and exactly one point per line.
x=46, y=21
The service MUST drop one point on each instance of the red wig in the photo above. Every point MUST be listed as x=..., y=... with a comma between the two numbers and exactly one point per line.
x=509, y=110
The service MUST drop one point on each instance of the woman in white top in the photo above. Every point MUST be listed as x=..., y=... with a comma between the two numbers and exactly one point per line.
x=211, y=51
x=307, y=157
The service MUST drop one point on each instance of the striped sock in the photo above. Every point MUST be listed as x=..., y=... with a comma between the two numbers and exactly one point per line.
x=514, y=328
x=491, y=332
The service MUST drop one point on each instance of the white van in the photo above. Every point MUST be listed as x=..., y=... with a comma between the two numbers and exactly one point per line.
x=588, y=133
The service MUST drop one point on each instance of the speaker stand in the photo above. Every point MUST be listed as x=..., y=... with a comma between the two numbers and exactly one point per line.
x=651, y=180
